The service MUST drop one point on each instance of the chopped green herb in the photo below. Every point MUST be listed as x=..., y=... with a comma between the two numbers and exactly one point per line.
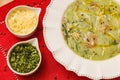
x=24, y=58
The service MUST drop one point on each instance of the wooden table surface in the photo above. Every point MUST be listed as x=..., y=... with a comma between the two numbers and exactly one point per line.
x=3, y=2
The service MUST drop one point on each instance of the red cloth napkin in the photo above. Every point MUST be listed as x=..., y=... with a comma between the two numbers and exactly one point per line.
x=49, y=68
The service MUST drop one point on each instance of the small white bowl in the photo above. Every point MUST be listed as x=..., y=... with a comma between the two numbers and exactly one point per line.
x=37, y=11
x=34, y=42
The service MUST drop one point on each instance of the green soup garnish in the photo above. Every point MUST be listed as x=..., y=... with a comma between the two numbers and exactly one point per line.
x=91, y=28
x=24, y=58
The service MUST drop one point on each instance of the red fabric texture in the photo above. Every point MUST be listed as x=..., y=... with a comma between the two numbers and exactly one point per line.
x=49, y=69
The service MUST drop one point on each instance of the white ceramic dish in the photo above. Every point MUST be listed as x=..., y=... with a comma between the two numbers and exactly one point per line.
x=34, y=42
x=37, y=10
x=106, y=69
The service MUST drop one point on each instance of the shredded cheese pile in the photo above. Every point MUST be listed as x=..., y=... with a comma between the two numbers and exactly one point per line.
x=22, y=20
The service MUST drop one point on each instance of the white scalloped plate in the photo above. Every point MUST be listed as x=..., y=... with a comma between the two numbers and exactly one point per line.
x=54, y=40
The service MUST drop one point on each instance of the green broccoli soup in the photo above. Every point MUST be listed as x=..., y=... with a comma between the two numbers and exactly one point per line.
x=91, y=28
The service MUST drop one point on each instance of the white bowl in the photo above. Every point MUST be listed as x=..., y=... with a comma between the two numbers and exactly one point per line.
x=55, y=42
x=37, y=11
x=34, y=42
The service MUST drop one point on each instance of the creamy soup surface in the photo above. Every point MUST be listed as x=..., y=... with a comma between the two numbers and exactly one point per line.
x=91, y=28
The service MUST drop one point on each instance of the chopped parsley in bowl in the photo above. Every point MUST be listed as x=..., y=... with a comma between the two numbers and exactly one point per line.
x=24, y=58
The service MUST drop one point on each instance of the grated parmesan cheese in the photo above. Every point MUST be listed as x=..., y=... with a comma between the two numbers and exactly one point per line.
x=22, y=20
